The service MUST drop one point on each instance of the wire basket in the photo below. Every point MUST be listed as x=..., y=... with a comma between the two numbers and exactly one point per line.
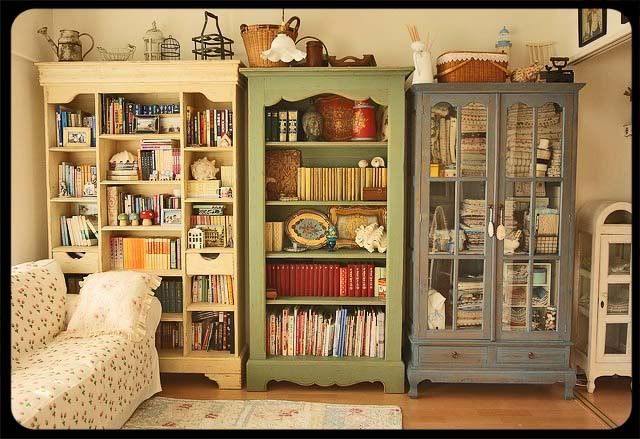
x=117, y=54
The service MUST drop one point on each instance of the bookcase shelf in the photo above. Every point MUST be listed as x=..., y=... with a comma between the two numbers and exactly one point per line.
x=209, y=200
x=214, y=84
x=385, y=87
x=211, y=250
x=76, y=248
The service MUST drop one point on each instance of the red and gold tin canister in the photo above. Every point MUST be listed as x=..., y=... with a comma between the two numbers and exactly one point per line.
x=364, y=121
x=337, y=113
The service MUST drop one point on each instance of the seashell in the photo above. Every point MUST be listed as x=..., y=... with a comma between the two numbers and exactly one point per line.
x=363, y=163
x=204, y=169
x=383, y=244
x=377, y=162
x=123, y=157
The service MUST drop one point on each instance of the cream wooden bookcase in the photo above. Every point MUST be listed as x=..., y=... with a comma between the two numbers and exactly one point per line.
x=200, y=84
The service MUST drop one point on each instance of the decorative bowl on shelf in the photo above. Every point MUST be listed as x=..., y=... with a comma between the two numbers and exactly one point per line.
x=117, y=54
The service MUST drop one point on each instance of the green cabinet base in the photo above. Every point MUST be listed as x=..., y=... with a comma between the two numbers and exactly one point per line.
x=325, y=371
x=496, y=376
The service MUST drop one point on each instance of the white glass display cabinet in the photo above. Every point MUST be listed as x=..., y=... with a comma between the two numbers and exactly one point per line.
x=491, y=233
x=602, y=305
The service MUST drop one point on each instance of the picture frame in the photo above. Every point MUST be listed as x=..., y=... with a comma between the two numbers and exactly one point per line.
x=347, y=219
x=146, y=124
x=592, y=24
x=307, y=227
x=76, y=137
x=170, y=123
x=171, y=217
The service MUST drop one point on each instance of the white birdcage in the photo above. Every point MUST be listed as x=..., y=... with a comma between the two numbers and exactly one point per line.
x=153, y=38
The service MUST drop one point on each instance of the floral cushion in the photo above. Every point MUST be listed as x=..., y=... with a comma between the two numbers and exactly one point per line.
x=38, y=292
x=93, y=382
x=113, y=302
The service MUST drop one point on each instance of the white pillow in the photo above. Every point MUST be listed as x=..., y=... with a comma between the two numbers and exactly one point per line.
x=113, y=302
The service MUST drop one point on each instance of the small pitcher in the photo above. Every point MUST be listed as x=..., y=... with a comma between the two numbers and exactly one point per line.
x=423, y=73
x=69, y=47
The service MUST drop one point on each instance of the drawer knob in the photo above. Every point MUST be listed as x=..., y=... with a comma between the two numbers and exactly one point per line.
x=531, y=355
x=454, y=354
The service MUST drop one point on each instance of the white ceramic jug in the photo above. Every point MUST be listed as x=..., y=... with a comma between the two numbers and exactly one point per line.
x=423, y=73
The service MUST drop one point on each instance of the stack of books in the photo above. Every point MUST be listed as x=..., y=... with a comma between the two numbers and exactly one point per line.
x=120, y=202
x=169, y=293
x=159, y=158
x=212, y=331
x=206, y=128
x=74, y=118
x=77, y=180
x=118, y=113
x=352, y=332
x=338, y=184
x=169, y=335
x=212, y=288
x=283, y=125
x=273, y=232
x=327, y=280
x=78, y=230
x=144, y=253
x=123, y=171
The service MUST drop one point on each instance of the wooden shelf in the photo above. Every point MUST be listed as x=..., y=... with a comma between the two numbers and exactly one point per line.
x=205, y=306
x=168, y=272
x=67, y=149
x=211, y=250
x=208, y=200
x=74, y=200
x=319, y=358
x=209, y=149
x=76, y=248
x=302, y=300
x=325, y=254
x=211, y=354
x=141, y=182
x=170, y=353
x=287, y=145
x=176, y=136
x=171, y=317
x=154, y=228
x=325, y=203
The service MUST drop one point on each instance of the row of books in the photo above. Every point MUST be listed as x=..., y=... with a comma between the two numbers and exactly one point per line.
x=129, y=253
x=327, y=280
x=77, y=180
x=121, y=202
x=212, y=288
x=283, y=125
x=338, y=184
x=273, y=232
x=78, y=231
x=118, y=113
x=169, y=293
x=169, y=335
x=352, y=332
x=212, y=331
x=159, y=159
x=206, y=128
x=73, y=118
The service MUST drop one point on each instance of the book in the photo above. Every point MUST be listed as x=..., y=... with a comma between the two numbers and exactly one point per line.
x=292, y=126
x=282, y=126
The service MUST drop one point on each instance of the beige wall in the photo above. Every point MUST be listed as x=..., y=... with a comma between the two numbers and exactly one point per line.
x=28, y=194
x=604, y=154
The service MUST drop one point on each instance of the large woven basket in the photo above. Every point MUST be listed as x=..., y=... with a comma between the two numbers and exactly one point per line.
x=258, y=37
x=470, y=66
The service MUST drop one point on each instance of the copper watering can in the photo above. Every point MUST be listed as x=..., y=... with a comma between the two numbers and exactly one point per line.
x=69, y=47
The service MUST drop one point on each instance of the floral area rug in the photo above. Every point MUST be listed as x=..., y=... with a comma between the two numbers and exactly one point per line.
x=160, y=412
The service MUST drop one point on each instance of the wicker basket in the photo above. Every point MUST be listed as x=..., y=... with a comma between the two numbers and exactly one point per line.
x=202, y=189
x=472, y=67
x=258, y=37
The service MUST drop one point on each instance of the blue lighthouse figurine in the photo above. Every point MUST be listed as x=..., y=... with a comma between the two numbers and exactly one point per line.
x=332, y=238
x=504, y=42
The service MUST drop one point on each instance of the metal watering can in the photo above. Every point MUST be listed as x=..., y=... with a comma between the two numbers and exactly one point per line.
x=69, y=47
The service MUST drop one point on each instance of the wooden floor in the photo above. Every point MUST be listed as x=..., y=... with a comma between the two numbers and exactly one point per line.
x=612, y=397
x=440, y=406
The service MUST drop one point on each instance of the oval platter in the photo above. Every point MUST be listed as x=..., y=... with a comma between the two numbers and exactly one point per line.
x=308, y=227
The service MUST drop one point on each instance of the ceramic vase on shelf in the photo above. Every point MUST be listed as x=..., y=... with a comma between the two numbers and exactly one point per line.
x=423, y=73
x=364, y=121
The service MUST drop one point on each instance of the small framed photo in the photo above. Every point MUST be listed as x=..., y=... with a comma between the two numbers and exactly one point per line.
x=171, y=216
x=170, y=123
x=592, y=24
x=146, y=124
x=76, y=137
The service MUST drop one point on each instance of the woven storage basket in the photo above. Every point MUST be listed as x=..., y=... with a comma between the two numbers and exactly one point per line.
x=258, y=37
x=472, y=67
x=202, y=189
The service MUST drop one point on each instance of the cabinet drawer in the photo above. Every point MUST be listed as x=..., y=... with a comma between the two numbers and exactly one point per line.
x=532, y=356
x=209, y=263
x=87, y=262
x=452, y=356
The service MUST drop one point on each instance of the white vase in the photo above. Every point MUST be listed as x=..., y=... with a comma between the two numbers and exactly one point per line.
x=423, y=73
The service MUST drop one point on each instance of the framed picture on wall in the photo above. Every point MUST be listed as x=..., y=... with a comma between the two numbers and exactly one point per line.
x=592, y=24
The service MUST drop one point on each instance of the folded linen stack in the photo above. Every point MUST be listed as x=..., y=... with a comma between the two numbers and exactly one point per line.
x=473, y=145
x=470, y=293
x=519, y=150
x=472, y=218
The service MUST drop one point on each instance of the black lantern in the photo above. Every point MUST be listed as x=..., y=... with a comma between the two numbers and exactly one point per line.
x=212, y=45
x=170, y=48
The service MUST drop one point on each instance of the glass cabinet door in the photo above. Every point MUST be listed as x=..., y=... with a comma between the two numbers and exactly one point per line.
x=529, y=212
x=614, y=302
x=458, y=189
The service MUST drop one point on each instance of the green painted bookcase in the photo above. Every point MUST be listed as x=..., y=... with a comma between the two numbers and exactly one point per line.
x=267, y=87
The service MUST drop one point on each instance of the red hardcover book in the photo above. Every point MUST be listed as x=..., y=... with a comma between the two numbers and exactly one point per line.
x=269, y=284
x=273, y=276
x=292, y=280
x=285, y=279
x=304, y=273
x=331, y=283
x=350, y=281
x=296, y=280
x=279, y=286
x=357, y=277
x=370, y=276
x=316, y=284
x=324, y=272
